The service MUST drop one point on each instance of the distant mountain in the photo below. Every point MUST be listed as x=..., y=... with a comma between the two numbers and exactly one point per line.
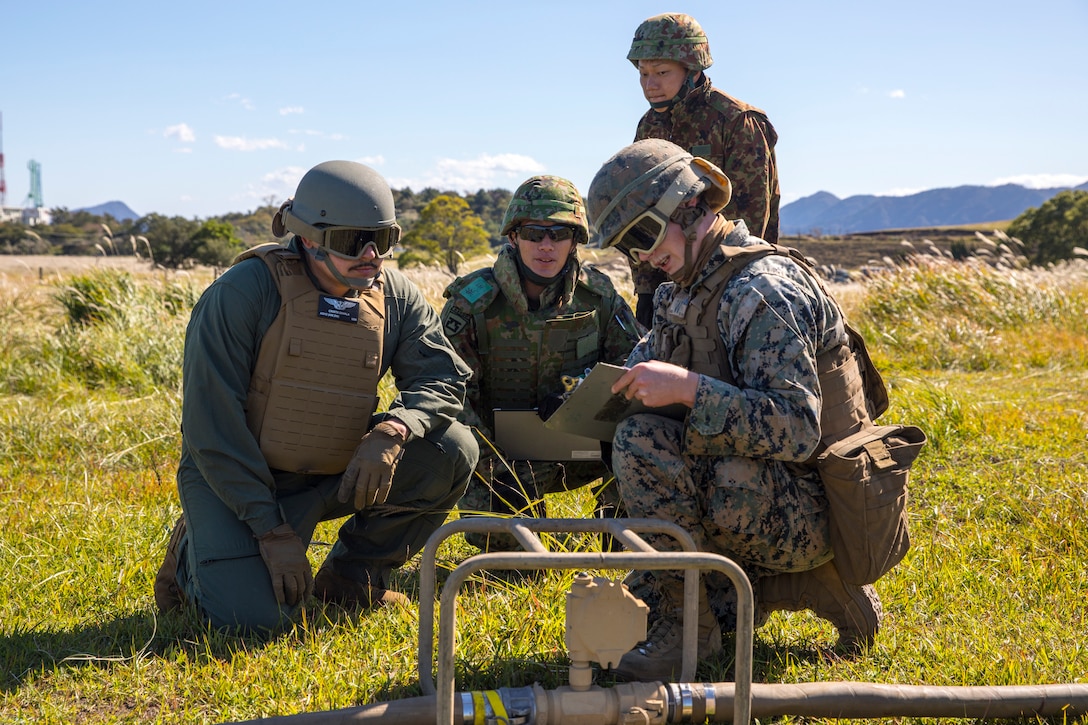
x=827, y=214
x=117, y=209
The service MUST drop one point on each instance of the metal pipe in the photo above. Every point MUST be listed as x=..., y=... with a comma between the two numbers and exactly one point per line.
x=624, y=530
x=713, y=702
x=612, y=560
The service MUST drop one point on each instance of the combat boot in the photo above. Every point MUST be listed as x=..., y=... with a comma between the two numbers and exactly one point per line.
x=659, y=658
x=854, y=610
x=331, y=587
x=168, y=594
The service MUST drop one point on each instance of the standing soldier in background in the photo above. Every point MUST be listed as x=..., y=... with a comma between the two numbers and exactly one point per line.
x=671, y=52
x=283, y=355
x=536, y=315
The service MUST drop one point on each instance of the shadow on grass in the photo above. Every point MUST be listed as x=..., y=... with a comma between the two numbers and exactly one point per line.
x=28, y=653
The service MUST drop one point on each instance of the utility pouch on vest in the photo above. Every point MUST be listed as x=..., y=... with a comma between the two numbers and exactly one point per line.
x=866, y=476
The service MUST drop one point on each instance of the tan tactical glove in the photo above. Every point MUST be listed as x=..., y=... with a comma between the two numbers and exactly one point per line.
x=285, y=556
x=370, y=472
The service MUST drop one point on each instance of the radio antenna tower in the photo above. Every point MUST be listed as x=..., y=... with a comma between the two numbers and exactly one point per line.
x=3, y=184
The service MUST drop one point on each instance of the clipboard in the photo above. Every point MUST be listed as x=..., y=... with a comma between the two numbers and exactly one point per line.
x=593, y=411
x=522, y=436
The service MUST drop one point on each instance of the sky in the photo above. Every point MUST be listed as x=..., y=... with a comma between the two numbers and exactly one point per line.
x=203, y=108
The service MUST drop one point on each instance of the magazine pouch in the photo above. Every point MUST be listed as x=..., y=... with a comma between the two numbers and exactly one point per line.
x=866, y=476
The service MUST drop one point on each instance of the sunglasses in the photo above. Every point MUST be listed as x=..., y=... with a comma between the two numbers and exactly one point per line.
x=351, y=242
x=536, y=233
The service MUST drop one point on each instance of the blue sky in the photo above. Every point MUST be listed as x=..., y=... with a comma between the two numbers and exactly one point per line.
x=200, y=108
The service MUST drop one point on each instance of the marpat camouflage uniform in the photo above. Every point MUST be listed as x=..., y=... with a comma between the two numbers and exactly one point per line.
x=749, y=495
x=735, y=137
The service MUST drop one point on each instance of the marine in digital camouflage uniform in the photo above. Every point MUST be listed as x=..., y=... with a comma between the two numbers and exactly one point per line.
x=536, y=315
x=733, y=135
x=738, y=344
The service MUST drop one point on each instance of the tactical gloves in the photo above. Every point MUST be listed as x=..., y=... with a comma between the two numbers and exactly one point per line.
x=370, y=472
x=285, y=556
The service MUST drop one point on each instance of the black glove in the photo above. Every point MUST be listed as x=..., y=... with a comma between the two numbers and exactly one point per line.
x=550, y=404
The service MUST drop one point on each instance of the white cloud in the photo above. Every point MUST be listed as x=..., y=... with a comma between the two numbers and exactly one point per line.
x=241, y=143
x=241, y=100
x=371, y=160
x=484, y=172
x=288, y=110
x=897, y=93
x=1041, y=181
x=278, y=185
x=181, y=132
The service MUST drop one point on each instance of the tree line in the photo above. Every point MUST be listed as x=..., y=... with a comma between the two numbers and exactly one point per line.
x=440, y=228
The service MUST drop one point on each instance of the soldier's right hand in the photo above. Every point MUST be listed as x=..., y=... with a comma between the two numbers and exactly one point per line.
x=285, y=556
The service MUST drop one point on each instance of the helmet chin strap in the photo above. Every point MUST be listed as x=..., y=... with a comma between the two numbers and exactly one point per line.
x=535, y=278
x=687, y=87
x=686, y=272
x=320, y=255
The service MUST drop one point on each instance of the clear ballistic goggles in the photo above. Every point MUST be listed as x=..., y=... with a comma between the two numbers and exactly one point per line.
x=646, y=232
x=536, y=233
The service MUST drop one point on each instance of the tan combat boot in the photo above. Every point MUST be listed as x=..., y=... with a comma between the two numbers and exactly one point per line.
x=854, y=610
x=168, y=595
x=659, y=658
x=331, y=587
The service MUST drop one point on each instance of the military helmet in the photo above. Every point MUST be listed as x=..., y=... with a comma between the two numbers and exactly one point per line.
x=650, y=176
x=340, y=194
x=671, y=36
x=547, y=198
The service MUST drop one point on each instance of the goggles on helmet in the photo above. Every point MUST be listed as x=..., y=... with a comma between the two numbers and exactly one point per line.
x=536, y=233
x=646, y=231
x=349, y=242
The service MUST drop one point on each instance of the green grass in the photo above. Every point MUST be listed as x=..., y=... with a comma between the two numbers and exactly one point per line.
x=992, y=365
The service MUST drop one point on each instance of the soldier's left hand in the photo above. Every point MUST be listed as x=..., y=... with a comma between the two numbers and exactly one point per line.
x=656, y=384
x=369, y=475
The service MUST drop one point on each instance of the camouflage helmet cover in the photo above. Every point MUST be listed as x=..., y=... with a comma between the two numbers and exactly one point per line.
x=547, y=198
x=639, y=175
x=671, y=36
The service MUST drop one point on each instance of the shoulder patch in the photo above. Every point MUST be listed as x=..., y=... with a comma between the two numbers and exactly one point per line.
x=474, y=292
x=476, y=289
x=454, y=321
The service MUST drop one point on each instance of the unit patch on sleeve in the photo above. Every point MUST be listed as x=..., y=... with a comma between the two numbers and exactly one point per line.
x=454, y=321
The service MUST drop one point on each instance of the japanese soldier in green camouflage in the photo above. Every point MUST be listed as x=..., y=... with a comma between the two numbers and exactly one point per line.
x=671, y=53
x=743, y=341
x=537, y=315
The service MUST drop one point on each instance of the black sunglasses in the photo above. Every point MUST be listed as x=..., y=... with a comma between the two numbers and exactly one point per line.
x=536, y=233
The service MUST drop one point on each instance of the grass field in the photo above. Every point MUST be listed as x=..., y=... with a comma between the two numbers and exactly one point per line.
x=993, y=365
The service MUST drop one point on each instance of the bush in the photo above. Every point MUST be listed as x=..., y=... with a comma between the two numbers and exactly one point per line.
x=1051, y=232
